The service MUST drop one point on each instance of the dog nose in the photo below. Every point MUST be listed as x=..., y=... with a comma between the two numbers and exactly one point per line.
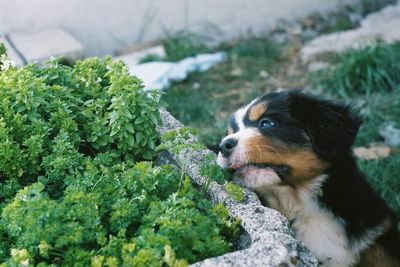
x=227, y=146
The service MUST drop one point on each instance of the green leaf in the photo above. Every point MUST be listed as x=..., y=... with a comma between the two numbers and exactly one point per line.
x=138, y=137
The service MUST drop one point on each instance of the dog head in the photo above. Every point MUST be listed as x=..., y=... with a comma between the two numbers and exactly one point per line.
x=294, y=135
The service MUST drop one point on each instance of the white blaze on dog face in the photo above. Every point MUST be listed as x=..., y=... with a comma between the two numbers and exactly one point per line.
x=235, y=131
x=239, y=155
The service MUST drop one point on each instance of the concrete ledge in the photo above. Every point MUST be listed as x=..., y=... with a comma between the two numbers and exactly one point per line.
x=271, y=241
x=42, y=45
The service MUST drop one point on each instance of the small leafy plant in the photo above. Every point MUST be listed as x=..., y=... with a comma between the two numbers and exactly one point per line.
x=179, y=139
x=74, y=189
x=234, y=191
x=212, y=171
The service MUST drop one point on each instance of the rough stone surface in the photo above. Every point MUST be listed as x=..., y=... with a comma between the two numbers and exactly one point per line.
x=42, y=45
x=267, y=231
x=384, y=24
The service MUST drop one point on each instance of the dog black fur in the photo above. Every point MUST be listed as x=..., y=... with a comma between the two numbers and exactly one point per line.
x=290, y=122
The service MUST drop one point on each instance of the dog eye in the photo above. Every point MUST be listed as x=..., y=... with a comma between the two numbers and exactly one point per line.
x=265, y=123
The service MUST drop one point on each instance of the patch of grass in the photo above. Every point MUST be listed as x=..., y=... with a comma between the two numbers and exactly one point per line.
x=205, y=100
x=340, y=21
x=255, y=48
x=364, y=71
x=151, y=58
x=376, y=110
x=184, y=44
x=383, y=175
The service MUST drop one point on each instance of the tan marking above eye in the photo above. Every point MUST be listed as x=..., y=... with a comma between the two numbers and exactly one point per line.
x=257, y=111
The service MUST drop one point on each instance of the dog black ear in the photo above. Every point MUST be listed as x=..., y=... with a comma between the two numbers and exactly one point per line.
x=332, y=127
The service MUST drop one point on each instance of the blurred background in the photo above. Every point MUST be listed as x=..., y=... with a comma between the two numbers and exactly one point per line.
x=103, y=27
x=211, y=57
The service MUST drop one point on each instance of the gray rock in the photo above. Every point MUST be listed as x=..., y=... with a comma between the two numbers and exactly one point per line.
x=266, y=230
x=383, y=24
x=317, y=66
x=391, y=134
x=308, y=34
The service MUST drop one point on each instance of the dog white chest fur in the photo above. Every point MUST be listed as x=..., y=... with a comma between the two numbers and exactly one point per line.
x=322, y=232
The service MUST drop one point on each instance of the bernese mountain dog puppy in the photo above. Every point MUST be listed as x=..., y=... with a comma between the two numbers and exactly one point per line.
x=294, y=151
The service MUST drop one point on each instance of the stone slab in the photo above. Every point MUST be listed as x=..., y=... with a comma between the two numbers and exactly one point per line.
x=268, y=241
x=40, y=46
x=384, y=24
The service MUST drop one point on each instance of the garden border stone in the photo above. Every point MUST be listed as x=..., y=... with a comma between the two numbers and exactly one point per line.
x=268, y=240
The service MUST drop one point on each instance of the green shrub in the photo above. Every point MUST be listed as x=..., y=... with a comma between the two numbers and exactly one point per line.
x=364, y=71
x=260, y=48
x=73, y=188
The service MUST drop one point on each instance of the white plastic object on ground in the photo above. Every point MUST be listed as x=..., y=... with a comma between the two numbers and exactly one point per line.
x=160, y=75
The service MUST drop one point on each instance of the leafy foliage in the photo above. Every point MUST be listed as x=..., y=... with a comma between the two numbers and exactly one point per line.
x=73, y=188
x=212, y=171
x=179, y=139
